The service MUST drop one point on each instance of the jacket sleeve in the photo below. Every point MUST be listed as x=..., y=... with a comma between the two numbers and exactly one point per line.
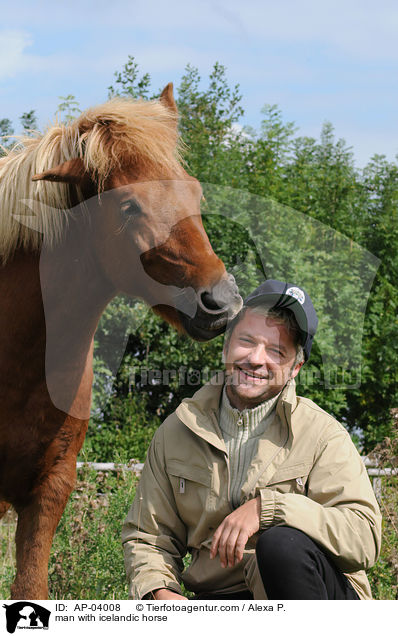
x=340, y=511
x=153, y=535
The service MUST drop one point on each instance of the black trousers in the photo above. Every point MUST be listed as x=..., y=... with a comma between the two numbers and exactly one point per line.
x=293, y=567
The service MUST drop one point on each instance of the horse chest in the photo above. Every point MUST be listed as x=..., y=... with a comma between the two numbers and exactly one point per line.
x=32, y=450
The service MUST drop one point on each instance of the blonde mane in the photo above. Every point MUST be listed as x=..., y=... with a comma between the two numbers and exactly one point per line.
x=117, y=134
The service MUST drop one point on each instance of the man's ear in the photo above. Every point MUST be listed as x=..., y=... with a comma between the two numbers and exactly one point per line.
x=72, y=171
x=296, y=369
x=224, y=352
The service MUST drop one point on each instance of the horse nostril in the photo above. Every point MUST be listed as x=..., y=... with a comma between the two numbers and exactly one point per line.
x=209, y=302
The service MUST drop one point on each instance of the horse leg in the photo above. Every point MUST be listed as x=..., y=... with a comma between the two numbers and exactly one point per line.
x=37, y=523
x=4, y=506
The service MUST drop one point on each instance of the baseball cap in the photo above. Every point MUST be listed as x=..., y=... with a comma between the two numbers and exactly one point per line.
x=279, y=295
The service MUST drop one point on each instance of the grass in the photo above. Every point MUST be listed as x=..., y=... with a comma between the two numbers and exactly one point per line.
x=7, y=551
x=384, y=575
x=86, y=558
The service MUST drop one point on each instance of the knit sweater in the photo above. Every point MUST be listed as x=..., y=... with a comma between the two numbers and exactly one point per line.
x=241, y=431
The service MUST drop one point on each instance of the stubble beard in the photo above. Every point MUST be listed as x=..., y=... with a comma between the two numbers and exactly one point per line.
x=241, y=399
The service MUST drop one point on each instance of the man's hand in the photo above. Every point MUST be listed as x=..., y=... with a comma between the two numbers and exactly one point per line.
x=233, y=533
x=163, y=594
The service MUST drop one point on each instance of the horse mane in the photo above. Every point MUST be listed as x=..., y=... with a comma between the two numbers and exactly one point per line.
x=122, y=132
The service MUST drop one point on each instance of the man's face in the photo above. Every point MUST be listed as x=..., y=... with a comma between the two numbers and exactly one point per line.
x=259, y=360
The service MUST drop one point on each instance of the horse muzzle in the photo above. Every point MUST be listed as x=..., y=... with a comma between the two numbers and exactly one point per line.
x=214, y=309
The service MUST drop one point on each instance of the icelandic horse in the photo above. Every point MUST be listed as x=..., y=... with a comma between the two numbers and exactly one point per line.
x=88, y=210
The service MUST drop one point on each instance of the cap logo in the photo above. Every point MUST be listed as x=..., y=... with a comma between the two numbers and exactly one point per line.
x=297, y=293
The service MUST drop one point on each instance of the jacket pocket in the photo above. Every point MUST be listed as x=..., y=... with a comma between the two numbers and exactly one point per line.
x=291, y=478
x=191, y=473
x=191, y=487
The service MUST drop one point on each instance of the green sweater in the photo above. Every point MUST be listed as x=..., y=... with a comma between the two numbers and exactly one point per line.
x=241, y=431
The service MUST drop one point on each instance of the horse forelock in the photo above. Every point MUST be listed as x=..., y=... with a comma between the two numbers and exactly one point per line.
x=121, y=132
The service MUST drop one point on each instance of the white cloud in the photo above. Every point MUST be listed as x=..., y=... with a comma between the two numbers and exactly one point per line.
x=360, y=28
x=12, y=52
x=331, y=60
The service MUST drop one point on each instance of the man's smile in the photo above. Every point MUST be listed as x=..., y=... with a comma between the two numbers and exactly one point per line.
x=259, y=360
x=247, y=374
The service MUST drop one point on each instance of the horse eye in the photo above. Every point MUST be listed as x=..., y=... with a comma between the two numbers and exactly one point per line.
x=130, y=207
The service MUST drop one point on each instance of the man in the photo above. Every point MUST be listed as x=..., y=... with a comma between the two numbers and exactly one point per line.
x=263, y=488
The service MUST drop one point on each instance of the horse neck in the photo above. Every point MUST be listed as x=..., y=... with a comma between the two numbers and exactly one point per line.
x=22, y=324
x=75, y=294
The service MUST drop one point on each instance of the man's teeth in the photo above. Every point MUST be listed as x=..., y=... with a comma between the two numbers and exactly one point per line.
x=253, y=375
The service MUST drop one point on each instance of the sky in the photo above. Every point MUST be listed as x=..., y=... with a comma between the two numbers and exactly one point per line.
x=317, y=60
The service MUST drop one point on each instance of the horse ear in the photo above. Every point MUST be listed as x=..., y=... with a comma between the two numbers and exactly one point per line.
x=72, y=171
x=167, y=98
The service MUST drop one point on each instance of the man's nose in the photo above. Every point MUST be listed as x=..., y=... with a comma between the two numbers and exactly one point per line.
x=258, y=355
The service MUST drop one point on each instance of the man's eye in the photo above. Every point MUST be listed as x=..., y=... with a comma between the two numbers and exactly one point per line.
x=130, y=207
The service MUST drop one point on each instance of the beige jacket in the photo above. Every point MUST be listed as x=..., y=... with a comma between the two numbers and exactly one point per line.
x=306, y=470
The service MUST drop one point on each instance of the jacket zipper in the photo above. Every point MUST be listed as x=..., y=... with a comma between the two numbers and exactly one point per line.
x=277, y=451
x=214, y=418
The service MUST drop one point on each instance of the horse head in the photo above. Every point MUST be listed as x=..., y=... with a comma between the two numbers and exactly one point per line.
x=146, y=228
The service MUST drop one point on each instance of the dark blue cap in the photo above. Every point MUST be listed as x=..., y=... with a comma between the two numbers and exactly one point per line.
x=278, y=295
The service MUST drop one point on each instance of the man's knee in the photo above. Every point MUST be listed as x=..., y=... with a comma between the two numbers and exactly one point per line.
x=281, y=547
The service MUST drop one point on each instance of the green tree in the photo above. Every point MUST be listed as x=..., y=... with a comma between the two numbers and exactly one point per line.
x=268, y=154
x=29, y=122
x=371, y=406
x=283, y=206
x=6, y=132
x=68, y=109
x=207, y=120
x=128, y=83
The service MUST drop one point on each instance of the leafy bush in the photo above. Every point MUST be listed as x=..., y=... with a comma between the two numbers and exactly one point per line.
x=384, y=575
x=123, y=433
x=87, y=558
x=7, y=552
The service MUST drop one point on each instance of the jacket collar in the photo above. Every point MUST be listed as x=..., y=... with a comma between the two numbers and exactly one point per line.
x=200, y=412
x=287, y=402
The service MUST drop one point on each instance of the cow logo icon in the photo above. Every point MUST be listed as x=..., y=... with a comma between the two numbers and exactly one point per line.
x=26, y=615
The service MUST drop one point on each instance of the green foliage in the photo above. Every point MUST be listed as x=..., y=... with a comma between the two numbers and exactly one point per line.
x=207, y=119
x=68, y=109
x=128, y=84
x=29, y=122
x=123, y=432
x=87, y=559
x=6, y=131
x=7, y=137
x=384, y=575
x=283, y=206
x=7, y=552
